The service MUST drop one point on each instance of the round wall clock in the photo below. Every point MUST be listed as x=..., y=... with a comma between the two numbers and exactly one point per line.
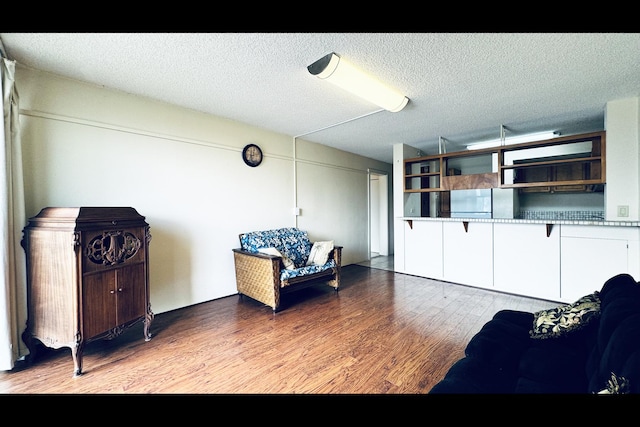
x=252, y=155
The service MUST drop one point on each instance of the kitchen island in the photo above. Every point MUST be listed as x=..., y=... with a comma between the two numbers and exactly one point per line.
x=553, y=259
x=558, y=258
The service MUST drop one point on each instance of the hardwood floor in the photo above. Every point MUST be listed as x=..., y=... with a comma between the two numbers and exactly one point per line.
x=379, y=261
x=382, y=333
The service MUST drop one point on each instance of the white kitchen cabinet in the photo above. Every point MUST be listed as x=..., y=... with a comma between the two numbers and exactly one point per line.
x=526, y=260
x=590, y=255
x=423, y=248
x=468, y=253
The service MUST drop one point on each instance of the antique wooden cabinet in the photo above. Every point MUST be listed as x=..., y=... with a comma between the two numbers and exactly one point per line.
x=87, y=277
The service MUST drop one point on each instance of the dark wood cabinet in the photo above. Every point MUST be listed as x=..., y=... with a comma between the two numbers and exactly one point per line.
x=87, y=277
x=568, y=173
x=578, y=171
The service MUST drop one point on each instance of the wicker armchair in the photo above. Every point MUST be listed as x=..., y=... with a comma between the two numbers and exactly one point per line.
x=261, y=258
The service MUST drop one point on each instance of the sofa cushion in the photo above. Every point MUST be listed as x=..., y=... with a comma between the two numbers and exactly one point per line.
x=290, y=241
x=622, y=285
x=552, y=366
x=501, y=341
x=470, y=375
x=564, y=319
x=260, y=239
x=296, y=245
x=615, y=361
x=303, y=271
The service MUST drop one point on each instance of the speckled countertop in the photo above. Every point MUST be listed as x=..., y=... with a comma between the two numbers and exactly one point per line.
x=530, y=221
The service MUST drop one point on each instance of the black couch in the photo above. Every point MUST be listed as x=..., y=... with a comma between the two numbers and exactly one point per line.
x=588, y=347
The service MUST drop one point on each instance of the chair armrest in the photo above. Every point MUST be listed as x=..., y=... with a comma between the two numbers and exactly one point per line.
x=258, y=276
x=255, y=254
x=336, y=254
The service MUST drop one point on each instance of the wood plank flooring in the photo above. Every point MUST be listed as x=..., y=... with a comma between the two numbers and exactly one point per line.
x=382, y=333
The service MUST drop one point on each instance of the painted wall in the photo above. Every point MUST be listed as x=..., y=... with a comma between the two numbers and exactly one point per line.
x=84, y=145
x=622, y=122
x=402, y=202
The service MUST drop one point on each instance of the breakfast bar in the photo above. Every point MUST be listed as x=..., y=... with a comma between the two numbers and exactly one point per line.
x=553, y=259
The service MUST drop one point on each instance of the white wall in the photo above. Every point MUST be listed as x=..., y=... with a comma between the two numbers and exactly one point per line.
x=401, y=202
x=622, y=123
x=84, y=145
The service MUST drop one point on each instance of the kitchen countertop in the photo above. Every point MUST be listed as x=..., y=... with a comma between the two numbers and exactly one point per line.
x=528, y=221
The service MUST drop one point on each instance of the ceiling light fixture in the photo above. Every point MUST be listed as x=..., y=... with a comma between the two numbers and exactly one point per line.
x=336, y=70
x=530, y=137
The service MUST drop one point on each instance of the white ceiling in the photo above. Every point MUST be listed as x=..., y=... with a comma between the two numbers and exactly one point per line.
x=461, y=86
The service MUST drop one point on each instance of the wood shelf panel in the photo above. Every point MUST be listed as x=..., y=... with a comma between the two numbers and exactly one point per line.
x=464, y=182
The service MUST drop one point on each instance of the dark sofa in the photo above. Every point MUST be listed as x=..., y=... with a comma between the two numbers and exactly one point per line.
x=588, y=347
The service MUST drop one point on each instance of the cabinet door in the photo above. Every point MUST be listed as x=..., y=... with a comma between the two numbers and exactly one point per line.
x=99, y=303
x=526, y=261
x=571, y=172
x=468, y=253
x=423, y=249
x=113, y=298
x=589, y=262
x=534, y=174
x=592, y=255
x=131, y=293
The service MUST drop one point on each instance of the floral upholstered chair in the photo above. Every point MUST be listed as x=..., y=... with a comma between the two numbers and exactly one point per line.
x=271, y=262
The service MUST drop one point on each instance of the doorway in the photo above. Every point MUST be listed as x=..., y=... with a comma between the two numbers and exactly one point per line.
x=378, y=214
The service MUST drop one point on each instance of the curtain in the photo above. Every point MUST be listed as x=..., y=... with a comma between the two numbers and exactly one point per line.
x=12, y=218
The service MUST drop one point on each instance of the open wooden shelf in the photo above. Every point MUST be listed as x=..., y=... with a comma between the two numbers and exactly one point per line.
x=533, y=170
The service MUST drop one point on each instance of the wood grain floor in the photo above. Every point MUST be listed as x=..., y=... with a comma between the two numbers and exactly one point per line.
x=382, y=333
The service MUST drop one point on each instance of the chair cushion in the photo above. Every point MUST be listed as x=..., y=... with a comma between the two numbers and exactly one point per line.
x=309, y=269
x=290, y=241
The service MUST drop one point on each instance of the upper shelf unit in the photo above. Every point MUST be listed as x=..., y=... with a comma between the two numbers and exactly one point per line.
x=569, y=163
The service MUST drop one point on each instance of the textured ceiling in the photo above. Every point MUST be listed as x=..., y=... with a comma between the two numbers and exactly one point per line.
x=461, y=86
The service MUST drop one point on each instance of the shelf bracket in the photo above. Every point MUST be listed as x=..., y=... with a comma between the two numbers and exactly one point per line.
x=410, y=222
x=466, y=226
x=549, y=227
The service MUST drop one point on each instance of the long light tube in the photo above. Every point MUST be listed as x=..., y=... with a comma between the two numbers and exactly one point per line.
x=530, y=137
x=336, y=70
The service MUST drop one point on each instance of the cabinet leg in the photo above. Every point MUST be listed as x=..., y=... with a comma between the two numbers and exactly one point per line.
x=148, y=318
x=31, y=344
x=76, y=354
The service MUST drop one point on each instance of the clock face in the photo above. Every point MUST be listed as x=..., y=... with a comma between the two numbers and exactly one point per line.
x=252, y=155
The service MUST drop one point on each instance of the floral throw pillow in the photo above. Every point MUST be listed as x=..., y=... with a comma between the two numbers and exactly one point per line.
x=559, y=321
x=616, y=385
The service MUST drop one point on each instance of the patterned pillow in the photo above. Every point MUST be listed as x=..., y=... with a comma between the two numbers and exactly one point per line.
x=288, y=264
x=320, y=253
x=616, y=385
x=559, y=321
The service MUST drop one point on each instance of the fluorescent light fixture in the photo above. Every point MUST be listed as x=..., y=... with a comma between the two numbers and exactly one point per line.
x=336, y=70
x=530, y=137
